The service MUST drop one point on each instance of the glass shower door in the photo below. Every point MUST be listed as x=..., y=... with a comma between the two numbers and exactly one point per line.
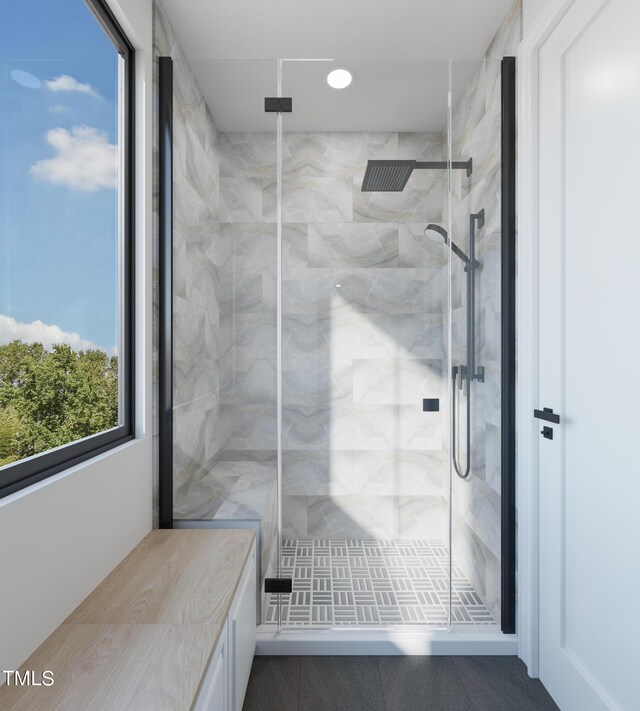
x=337, y=332
x=476, y=293
x=364, y=348
x=225, y=436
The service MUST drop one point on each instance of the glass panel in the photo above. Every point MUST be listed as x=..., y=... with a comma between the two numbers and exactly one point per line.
x=382, y=292
x=476, y=343
x=61, y=232
x=365, y=302
x=224, y=293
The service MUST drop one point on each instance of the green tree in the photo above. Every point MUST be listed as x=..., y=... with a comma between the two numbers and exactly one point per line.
x=9, y=424
x=51, y=398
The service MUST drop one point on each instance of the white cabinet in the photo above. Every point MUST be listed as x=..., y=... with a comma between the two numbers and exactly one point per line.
x=242, y=633
x=214, y=692
x=225, y=681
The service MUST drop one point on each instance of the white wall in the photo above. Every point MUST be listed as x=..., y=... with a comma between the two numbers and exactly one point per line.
x=530, y=11
x=61, y=537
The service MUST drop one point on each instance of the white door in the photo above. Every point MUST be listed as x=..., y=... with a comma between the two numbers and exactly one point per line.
x=589, y=357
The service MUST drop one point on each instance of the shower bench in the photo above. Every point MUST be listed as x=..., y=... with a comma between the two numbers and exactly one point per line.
x=236, y=494
x=172, y=627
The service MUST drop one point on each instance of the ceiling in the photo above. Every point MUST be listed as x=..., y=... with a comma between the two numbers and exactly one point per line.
x=396, y=49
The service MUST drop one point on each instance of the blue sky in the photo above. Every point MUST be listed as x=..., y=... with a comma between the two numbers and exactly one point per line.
x=58, y=210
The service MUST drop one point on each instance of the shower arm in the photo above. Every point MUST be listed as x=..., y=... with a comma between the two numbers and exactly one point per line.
x=466, y=165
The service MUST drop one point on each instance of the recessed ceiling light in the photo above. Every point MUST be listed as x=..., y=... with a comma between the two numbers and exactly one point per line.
x=339, y=78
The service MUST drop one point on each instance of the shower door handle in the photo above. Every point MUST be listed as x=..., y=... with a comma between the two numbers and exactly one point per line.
x=547, y=414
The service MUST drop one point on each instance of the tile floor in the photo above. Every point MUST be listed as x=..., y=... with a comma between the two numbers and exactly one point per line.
x=373, y=583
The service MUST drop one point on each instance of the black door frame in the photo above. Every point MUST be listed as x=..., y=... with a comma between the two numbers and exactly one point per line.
x=165, y=292
x=508, y=389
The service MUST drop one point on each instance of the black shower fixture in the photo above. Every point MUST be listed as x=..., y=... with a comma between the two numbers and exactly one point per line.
x=468, y=264
x=469, y=371
x=391, y=176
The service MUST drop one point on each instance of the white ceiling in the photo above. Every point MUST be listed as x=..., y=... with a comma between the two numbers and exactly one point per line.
x=391, y=45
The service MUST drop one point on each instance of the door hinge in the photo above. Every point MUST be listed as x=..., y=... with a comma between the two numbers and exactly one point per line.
x=281, y=586
x=278, y=104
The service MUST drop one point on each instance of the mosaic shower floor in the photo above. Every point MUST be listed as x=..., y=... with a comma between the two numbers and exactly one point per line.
x=372, y=583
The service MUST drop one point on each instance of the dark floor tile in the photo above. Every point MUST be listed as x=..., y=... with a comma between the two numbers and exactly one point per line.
x=502, y=684
x=340, y=684
x=422, y=684
x=274, y=684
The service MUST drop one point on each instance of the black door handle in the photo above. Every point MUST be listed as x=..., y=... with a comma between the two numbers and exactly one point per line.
x=547, y=414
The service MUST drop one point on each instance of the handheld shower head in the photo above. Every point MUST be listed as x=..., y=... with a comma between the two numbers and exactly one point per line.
x=431, y=228
x=439, y=230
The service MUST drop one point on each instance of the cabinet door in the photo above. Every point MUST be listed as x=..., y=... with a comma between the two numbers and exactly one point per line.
x=214, y=694
x=242, y=633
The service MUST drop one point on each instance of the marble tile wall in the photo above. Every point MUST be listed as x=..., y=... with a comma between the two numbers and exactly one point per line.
x=223, y=312
x=197, y=263
x=476, y=131
x=363, y=297
x=218, y=320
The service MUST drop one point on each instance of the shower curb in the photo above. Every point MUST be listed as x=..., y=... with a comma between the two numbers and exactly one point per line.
x=383, y=643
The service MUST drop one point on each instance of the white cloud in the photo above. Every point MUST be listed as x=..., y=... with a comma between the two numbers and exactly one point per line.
x=39, y=332
x=86, y=160
x=67, y=83
x=60, y=109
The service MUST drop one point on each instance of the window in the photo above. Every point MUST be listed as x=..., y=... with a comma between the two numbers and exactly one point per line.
x=66, y=237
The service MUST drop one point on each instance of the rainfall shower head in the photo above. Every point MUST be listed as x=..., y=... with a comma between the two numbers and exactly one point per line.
x=387, y=176
x=390, y=176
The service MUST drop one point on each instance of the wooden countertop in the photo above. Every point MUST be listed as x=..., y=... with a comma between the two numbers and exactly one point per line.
x=143, y=638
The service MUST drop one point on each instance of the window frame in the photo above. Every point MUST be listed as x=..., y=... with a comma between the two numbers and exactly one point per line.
x=25, y=472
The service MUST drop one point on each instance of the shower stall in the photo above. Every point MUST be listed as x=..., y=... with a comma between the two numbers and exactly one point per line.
x=335, y=351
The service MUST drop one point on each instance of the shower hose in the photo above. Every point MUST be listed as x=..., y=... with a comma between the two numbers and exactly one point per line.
x=454, y=444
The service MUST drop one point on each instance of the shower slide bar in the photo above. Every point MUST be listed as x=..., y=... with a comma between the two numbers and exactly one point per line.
x=470, y=371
